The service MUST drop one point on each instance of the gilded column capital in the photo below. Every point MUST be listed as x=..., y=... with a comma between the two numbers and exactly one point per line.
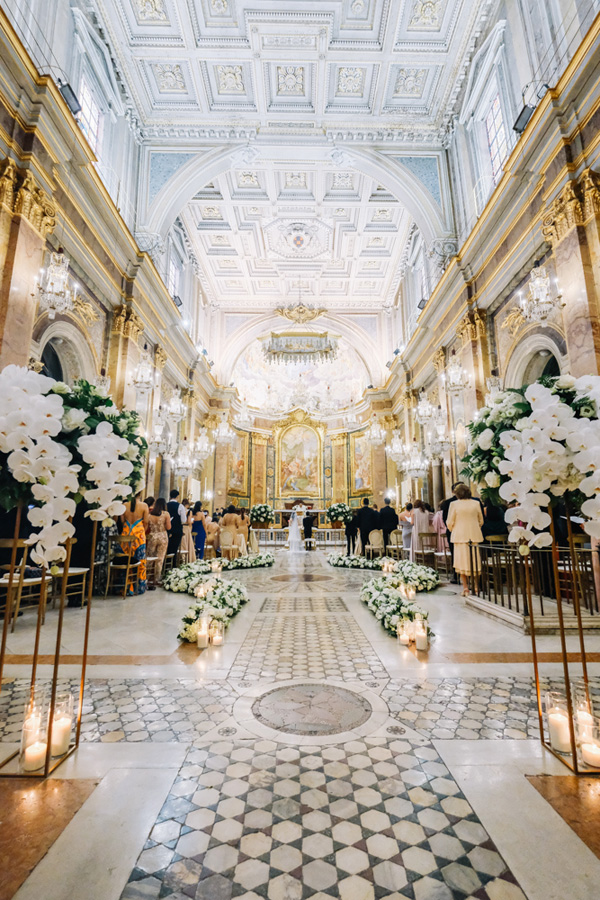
x=8, y=182
x=564, y=213
x=22, y=196
x=339, y=440
x=160, y=358
x=439, y=360
x=259, y=440
x=590, y=186
x=127, y=323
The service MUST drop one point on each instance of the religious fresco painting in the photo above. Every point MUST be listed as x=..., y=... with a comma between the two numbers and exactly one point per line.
x=299, y=462
x=362, y=470
x=237, y=470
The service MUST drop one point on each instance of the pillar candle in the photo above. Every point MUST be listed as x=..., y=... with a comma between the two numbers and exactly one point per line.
x=61, y=735
x=591, y=755
x=34, y=756
x=558, y=726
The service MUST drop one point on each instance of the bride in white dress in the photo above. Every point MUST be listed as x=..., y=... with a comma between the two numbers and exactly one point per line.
x=295, y=542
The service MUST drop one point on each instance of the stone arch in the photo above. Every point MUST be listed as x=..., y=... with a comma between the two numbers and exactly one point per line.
x=193, y=175
x=539, y=345
x=77, y=356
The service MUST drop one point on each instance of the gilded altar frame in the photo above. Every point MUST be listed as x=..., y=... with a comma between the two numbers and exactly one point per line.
x=358, y=492
x=243, y=490
x=298, y=417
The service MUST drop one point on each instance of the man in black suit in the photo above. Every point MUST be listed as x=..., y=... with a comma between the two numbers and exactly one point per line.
x=307, y=525
x=351, y=532
x=368, y=521
x=178, y=516
x=388, y=520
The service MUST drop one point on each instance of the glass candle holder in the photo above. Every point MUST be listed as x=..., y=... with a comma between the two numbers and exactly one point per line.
x=410, y=592
x=203, y=633
x=558, y=722
x=590, y=746
x=217, y=633
x=62, y=723
x=34, y=740
x=421, y=638
x=583, y=711
x=402, y=633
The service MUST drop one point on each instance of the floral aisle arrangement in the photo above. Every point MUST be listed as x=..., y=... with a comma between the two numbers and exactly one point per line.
x=261, y=513
x=339, y=512
x=386, y=598
x=185, y=578
x=216, y=599
x=536, y=445
x=422, y=578
x=58, y=444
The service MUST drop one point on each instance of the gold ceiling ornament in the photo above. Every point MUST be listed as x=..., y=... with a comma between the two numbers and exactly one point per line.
x=160, y=358
x=127, y=322
x=300, y=313
x=439, y=360
x=84, y=310
x=299, y=417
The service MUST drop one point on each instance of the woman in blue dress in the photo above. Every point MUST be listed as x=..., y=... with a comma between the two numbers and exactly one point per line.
x=199, y=529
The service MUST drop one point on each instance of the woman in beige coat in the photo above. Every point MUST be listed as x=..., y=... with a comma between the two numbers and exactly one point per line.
x=465, y=519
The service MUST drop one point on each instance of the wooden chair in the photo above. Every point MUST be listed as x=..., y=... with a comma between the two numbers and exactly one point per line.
x=394, y=547
x=426, y=555
x=169, y=562
x=310, y=543
x=229, y=550
x=182, y=557
x=375, y=544
x=24, y=591
x=152, y=573
x=209, y=551
x=76, y=581
x=120, y=564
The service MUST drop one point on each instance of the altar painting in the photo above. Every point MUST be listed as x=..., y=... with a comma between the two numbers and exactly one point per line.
x=237, y=468
x=362, y=472
x=299, y=462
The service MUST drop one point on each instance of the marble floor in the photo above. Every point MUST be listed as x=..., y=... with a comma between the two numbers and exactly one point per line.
x=308, y=757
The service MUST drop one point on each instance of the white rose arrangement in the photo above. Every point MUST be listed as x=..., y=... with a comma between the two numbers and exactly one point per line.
x=422, y=578
x=184, y=579
x=386, y=599
x=262, y=512
x=218, y=600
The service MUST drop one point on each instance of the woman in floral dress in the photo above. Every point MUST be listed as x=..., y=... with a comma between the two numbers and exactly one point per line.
x=159, y=524
x=135, y=521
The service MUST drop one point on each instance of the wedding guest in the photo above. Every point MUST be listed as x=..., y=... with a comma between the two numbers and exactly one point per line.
x=178, y=519
x=187, y=549
x=388, y=520
x=465, y=519
x=439, y=526
x=368, y=521
x=405, y=520
x=230, y=523
x=149, y=501
x=135, y=522
x=213, y=531
x=494, y=522
x=243, y=530
x=159, y=524
x=199, y=529
x=351, y=532
x=421, y=524
x=445, y=505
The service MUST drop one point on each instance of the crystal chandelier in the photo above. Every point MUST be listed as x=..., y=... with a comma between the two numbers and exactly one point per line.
x=54, y=292
x=375, y=432
x=225, y=433
x=183, y=463
x=438, y=440
x=396, y=449
x=159, y=443
x=455, y=377
x=243, y=417
x=299, y=348
x=143, y=377
x=204, y=447
x=416, y=464
x=537, y=304
x=175, y=409
x=425, y=410
x=102, y=383
x=494, y=386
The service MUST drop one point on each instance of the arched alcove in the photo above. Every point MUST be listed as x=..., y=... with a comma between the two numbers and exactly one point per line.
x=66, y=350
x=538, y=353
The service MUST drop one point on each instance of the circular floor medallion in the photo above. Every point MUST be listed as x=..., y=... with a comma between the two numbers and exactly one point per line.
x=312, y=709
x=301, y=577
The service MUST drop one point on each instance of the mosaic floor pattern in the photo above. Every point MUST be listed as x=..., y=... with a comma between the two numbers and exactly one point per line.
x=366, y=820
x=312, y=709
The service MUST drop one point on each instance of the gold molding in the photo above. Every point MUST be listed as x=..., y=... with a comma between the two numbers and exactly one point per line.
x=339, y=440
x=259, y=440
x=300, y=314
x=439, y=360
x=84, y=310
x=160, y=358
x=22, y=196
x=127, y=323
x=299, y=417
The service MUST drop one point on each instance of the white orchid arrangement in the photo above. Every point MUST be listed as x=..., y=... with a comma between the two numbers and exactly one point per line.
x=44, y=466
x=218, y=600
x=339, y=512
x=537, y=445
x=262, y=512
x=386, y=599
x=185, y=578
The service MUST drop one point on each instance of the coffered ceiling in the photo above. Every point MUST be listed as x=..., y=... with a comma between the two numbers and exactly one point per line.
x=315, y=66
x=296, y=230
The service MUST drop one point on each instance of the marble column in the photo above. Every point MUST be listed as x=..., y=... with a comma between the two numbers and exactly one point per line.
x=165, y=478
x=26, y=218
x=339, y=468
x=437, y=483
x=258, y=476
x=124, y=354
